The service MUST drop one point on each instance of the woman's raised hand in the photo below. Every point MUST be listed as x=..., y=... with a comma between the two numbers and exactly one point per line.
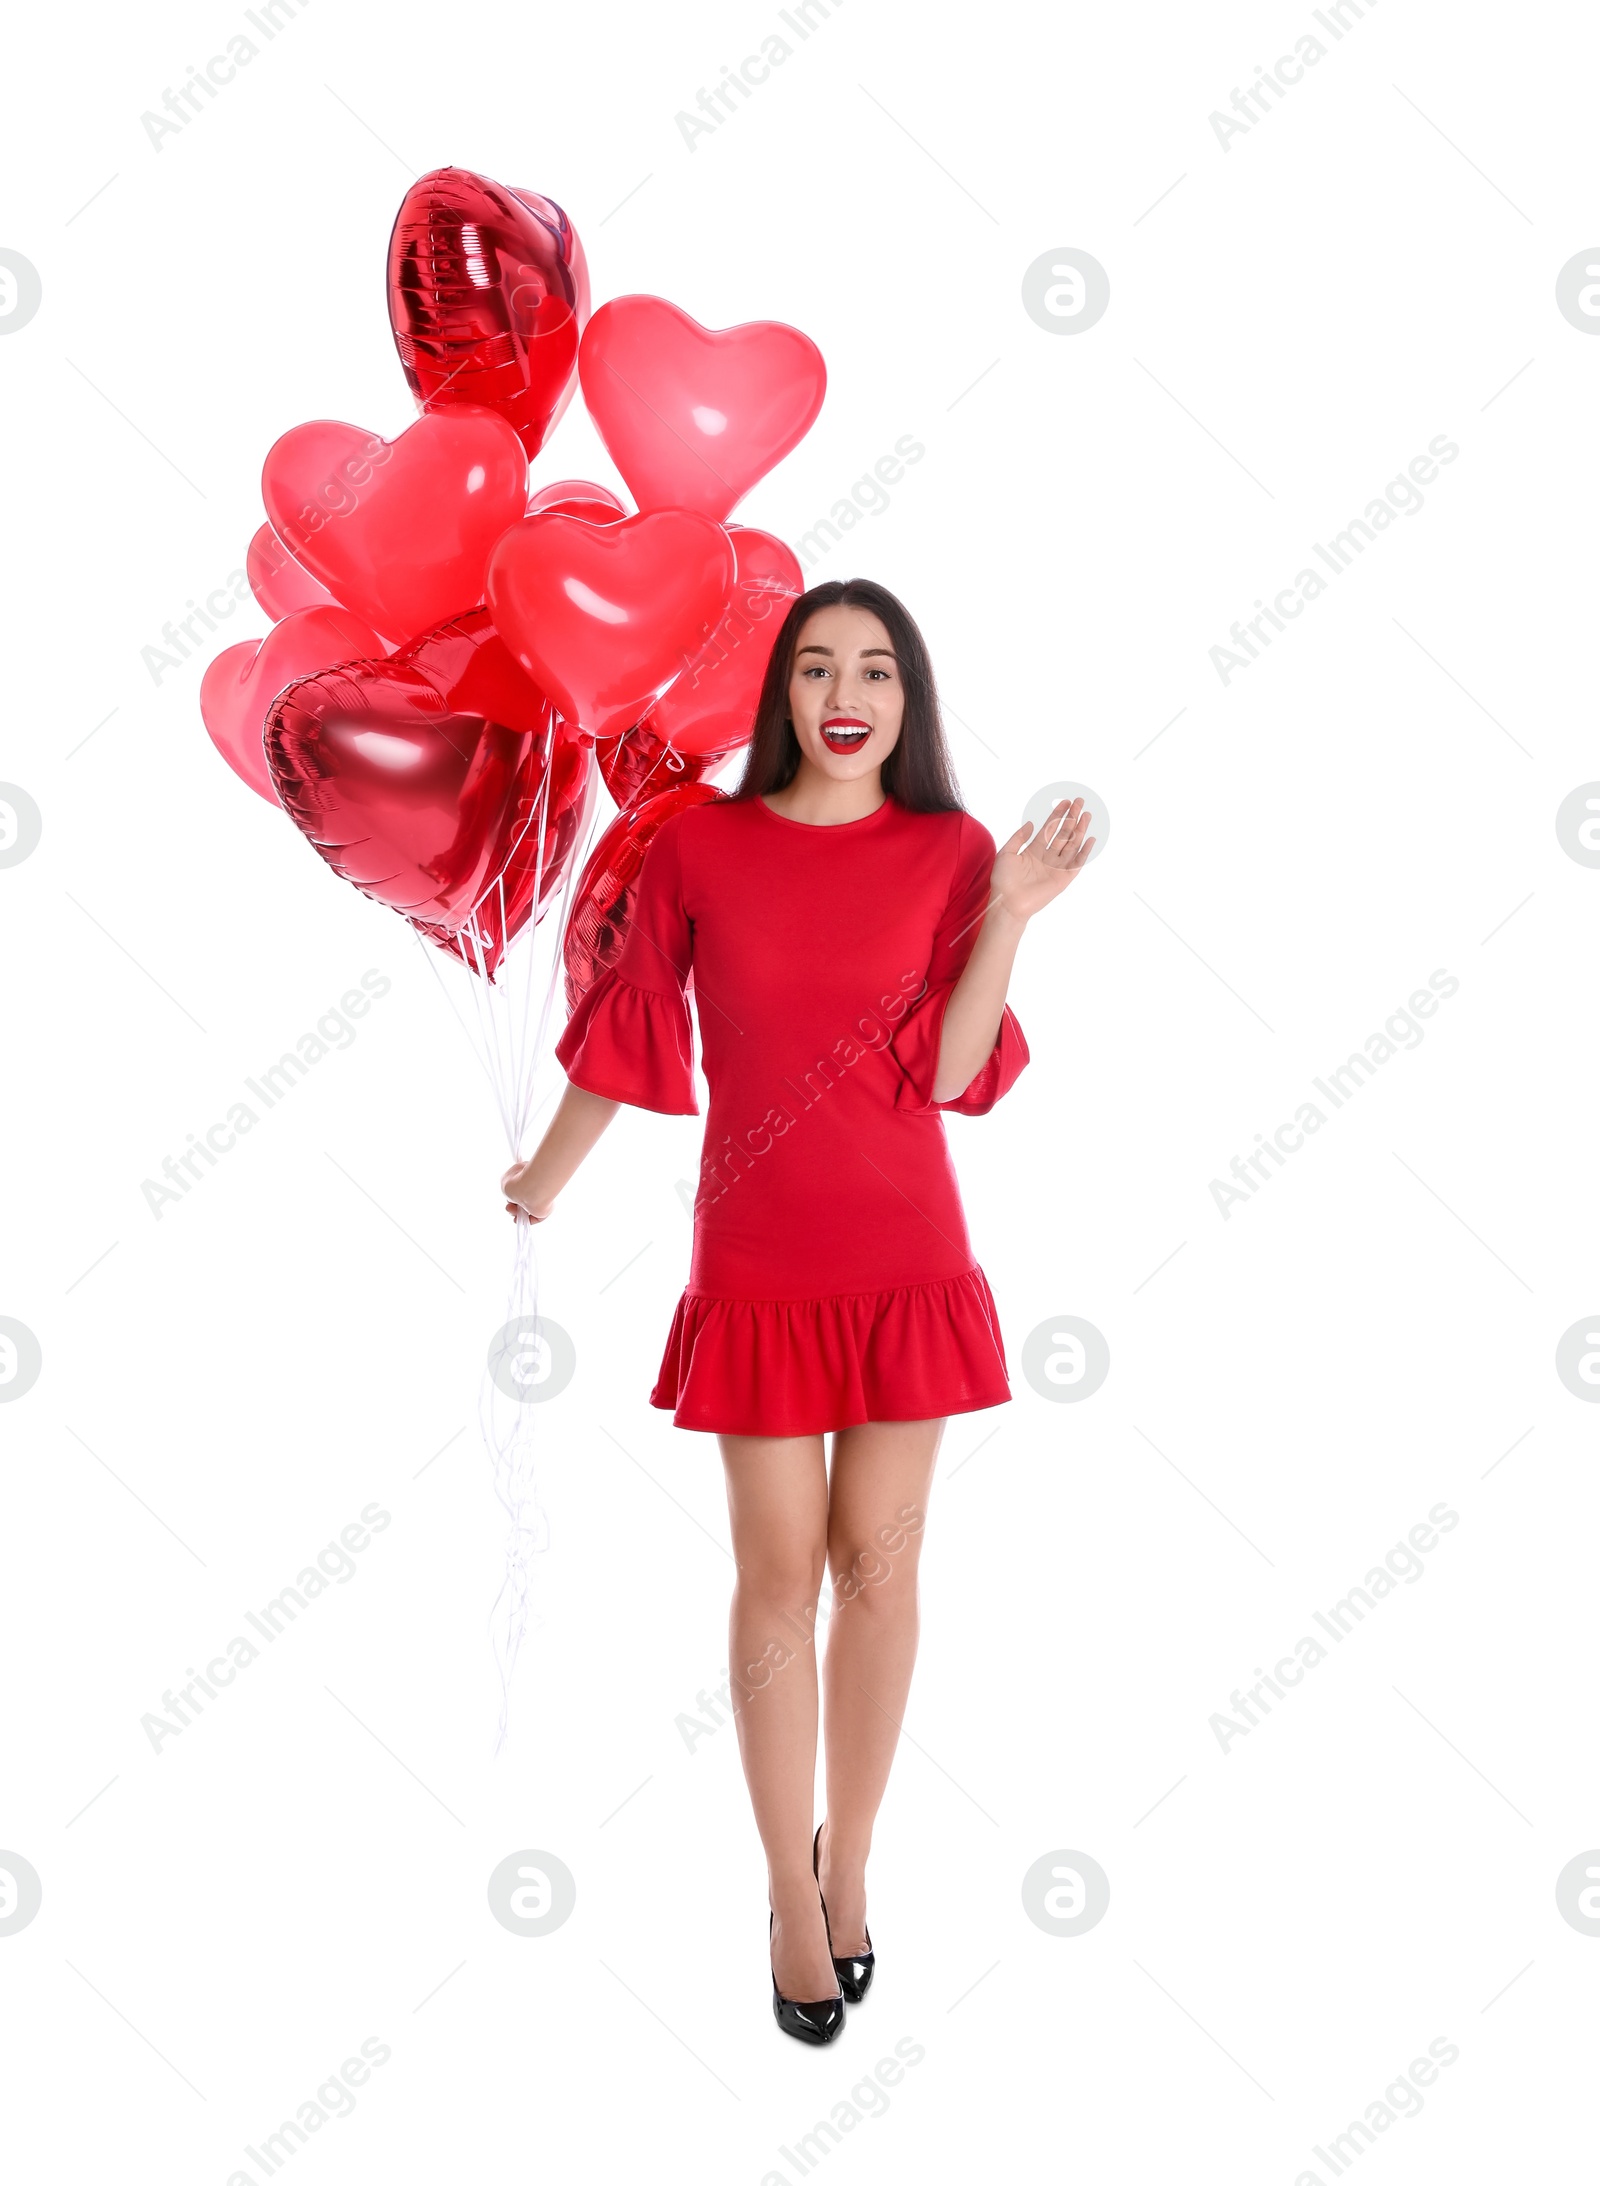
x=1033, y=867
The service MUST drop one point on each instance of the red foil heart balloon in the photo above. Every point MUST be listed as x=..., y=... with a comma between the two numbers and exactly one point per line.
x=280, y=585
x=237, y=690
x=639, y=765
x=603, y=616
x=400, y=531
x=402, y=795
x=578, y=497
x=692, y=417
x=539, y=856
x=710, y=709
x=488, y=295
x=603, y=906
x=471, y=667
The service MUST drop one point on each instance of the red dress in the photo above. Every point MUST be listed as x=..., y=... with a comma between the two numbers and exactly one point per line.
x=831, y=1280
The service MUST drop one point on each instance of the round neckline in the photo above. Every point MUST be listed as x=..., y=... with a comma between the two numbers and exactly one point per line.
x=825, y=827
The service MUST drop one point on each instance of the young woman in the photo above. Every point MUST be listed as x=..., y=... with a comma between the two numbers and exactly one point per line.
x=851, y=931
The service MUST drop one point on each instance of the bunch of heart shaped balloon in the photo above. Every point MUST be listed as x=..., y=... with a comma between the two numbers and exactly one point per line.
x=457, y=652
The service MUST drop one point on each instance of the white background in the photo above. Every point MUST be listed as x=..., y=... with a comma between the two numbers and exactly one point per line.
x=1291, y=1922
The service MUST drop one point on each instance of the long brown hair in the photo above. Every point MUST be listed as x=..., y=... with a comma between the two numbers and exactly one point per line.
x=917, y=773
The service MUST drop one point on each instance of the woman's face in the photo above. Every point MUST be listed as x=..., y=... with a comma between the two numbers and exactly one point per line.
x=846, y=699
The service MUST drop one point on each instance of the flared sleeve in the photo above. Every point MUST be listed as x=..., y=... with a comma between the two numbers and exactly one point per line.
x=629, y=1038
x=915, y=1043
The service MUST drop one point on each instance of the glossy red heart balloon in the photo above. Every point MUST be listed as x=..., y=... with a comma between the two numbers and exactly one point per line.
x=693, y=417
x=402, y=795
x=400, y=531
x=472, y=668
x=578, y=497
x=639, y=765
x=603, y=906
x=280, y=585
x=562, y=788
x=238, y=688
x=602, y=616
x=711, y=707
x=488, y=295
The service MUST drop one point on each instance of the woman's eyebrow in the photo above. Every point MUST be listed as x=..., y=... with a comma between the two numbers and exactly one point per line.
x=828, y=649
x=867, y=651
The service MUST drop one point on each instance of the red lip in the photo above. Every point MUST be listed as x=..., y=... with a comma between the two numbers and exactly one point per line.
x=847, y=743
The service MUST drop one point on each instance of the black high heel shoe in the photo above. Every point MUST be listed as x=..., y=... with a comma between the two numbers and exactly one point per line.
x=818, y=2022
x=854, y=1974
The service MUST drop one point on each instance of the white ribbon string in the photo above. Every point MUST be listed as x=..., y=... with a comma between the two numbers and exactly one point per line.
x=509, y=1035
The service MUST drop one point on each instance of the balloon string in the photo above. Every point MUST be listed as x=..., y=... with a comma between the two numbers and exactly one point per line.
x=509, y=1024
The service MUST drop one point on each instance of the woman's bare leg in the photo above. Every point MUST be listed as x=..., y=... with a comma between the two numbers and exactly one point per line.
x=778, y=1508
x=877, y=1509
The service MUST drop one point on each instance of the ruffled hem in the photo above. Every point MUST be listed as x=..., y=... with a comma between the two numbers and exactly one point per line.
x=916, y=1049
x=629, y=1043
x=800, y=1366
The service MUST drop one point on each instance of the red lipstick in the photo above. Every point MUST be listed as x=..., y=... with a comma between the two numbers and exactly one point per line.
x=845, y=733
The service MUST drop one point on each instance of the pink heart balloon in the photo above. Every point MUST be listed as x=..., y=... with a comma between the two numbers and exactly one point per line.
x=237, y=690
x=692, y=417
x=280, y=585
x=400, y=531
x=603, y=616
